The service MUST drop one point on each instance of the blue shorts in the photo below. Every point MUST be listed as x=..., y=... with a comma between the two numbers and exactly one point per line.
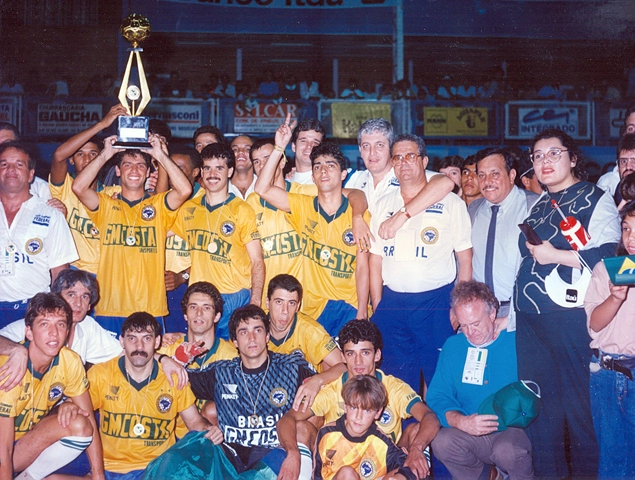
x=175, y=322
x=232, y=302
x=12, y=311
x=132, y=475
x=113, y=324
x=335, y=314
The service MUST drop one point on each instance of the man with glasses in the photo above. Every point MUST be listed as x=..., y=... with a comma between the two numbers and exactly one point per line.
x=625, y=162
x=412, y=274
x=610, y=181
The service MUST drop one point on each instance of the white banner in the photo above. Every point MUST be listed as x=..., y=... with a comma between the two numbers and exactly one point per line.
x=525, y=119
x=265, y=117
x=65, y=119
x=182, y=116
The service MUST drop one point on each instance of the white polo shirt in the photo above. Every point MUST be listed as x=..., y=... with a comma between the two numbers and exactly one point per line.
x=39, y=239
x=91, y=342
x=421, y=257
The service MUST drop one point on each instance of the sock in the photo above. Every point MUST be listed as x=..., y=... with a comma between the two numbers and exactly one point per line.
x=54, y=457
x=306, y=462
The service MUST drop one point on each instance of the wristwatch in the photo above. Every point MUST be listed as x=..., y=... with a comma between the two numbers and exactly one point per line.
x=185, y=275
x=405, y=212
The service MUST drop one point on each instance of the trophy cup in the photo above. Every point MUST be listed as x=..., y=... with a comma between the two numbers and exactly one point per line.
x=132, y=130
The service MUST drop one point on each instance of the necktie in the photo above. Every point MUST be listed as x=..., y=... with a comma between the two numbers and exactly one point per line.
x=489, y=249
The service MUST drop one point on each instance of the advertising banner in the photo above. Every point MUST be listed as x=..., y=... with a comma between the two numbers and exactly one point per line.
x=524, y=119
x=308, y=4
x=66, y=119
x=348, y=117
x=455, y=121
x=616, y=116
x=182, y=116
x=8, y=110
x=263, y=117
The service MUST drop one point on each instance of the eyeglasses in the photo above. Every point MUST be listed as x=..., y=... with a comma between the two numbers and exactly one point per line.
x=409, y=158
x=552, y=155
x=625, y=161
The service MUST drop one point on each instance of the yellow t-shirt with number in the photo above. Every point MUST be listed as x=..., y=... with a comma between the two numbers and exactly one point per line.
x=329, y=253
x=85, y=234
x=217, y=236
x=123, y=404
x=38, y=393
x=329, y=403
x=306, y=336
x=131, y=277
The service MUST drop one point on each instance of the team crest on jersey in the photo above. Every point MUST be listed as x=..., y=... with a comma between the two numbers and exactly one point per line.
x=164, y=402
x=348, y=238
x=429, y=235
x=148, y=212
x=367, y=468
x=94, y=231
x=386, y=417
x=56, y=391
x=278, y=397
x=227, y=228
x=33, y=246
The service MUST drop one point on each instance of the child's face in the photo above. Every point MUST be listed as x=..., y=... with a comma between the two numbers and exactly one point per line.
x=358, y=420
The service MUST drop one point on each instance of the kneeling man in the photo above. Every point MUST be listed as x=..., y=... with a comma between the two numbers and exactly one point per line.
x=473, y=365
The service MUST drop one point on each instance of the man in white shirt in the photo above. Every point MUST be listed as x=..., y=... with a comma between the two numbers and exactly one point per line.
x=496, y=172
x=307, y=134
x=413, y=274
x=35, y=240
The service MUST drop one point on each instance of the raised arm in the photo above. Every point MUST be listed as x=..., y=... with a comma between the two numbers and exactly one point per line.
x=59, y=167
x=254, y=250
x=437, y=188
x=83, y=181
x=181, y=187
x=276, y=196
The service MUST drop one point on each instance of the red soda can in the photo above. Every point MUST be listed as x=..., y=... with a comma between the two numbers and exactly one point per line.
x=574, y=232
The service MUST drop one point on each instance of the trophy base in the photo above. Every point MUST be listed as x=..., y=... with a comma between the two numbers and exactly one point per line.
x=140, y=145
x=132, y=132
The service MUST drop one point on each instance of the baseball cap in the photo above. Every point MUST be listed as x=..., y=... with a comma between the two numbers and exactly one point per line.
x=516, y=405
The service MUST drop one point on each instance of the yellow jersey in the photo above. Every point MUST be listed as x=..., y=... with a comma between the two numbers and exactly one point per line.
x=124, y=404
x=329, y=253
x=85, y=234
x=281, y=245
x=37, y=394
x=308, y=337
x=177, y=255
x=329, y=403
x=132, y=261
x=217, y=236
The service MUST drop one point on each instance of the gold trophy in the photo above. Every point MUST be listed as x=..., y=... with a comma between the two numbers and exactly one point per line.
x=132, y=130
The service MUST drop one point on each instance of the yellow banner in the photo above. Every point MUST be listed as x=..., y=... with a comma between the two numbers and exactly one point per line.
x=455, y=121
x=348, y=117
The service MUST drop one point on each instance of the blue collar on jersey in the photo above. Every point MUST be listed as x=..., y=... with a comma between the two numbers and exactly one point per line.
x=146, y=195
x=211, y=208
x=276, y=342
x=29, y=365
x=330, y=218
x=138, y=386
